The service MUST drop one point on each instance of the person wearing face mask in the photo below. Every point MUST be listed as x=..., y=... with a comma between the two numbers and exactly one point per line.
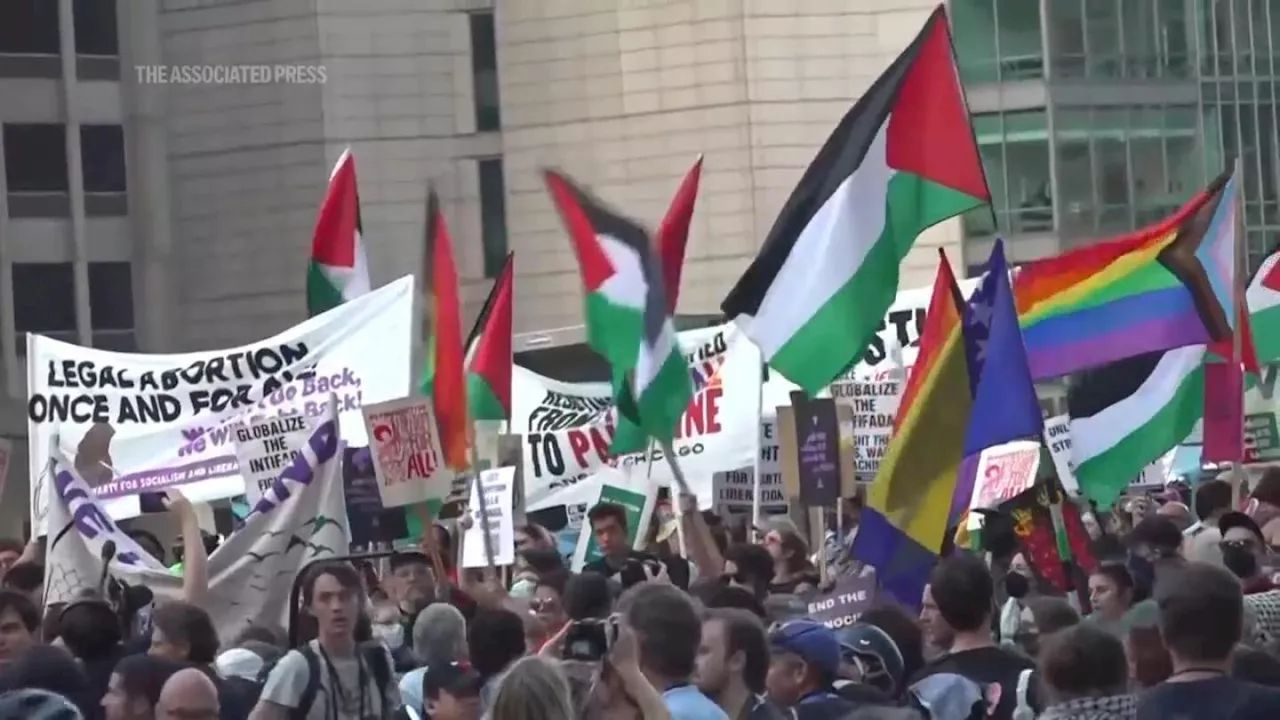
x=1245, y=554
x=387, y=626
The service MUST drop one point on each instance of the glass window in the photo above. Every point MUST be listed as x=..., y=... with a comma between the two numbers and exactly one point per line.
x=1146, y=152
x=1267, y=158
x=96, y=30
x=484, y=72
x=1102, y=38
x=1066, y=38
x=1140, y=41
x=44, y=297
x=1213, y=142
x=102, y=154
x=1072, y=128
x=989, y=131
x=1174, y=38
x=1027, y=172
x=111, y=295
x=974, y=30
x=1018, y=39
x=493, y=215
x=1111, y=171
x=35, y=157
x=29, y=27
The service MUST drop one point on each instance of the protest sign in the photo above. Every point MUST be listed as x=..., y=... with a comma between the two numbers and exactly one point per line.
x=265, y=448
x=498, y=487
x=407, y=458
x=638, y=505
x=817, y=449
x=1004, y=472
x=568, y=426
x=842, y=605
x=874, y=404
x=1057, y=437
x=835, y=448
x=369, y=521
x=134, y=422
x=734, y=491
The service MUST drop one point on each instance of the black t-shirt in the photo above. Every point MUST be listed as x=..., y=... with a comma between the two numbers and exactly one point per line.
x=631, y=572
x=996, y=670
x=1220, y=698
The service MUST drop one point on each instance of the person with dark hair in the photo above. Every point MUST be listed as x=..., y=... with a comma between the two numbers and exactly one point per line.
x=532, y=562
x=90, y=629
x=19, y=625
x=1246, y=554
x=713, y=595
x=804, y=664
x=410, y=585
x=587, y=595
x=547, y=603
x=733, y=662
x=1085, y=676
x=1266, y=512
x=10, y=553
x=749, y=566
x=793, y=573
x=1149, y=663
x=135, y=687
x=45, y=667
x=668, y=633
x=1111, y=594
x=1255, y=666
x=1212, y=500
x=183, y=632
x=1201, y=617
x=957, y=608
x=26, y=577
x=619, y=561
x=495, y=640
x=333, y=677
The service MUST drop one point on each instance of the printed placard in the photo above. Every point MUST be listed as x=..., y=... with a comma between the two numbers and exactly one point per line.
x=407, y=458
x=1004, y=472
x=498, y=487
x=874, y=404
x=734, y=491
x=842, y=605
x=265, y=448
x=817, y=443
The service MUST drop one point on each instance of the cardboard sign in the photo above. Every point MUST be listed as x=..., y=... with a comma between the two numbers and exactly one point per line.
x=841, y=606
x=734, y=490
x=265, y=448
x=498, y=487
x=407, y=458
x=817, y=443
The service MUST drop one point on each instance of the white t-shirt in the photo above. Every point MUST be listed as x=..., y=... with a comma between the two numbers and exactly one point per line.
x=288, y=680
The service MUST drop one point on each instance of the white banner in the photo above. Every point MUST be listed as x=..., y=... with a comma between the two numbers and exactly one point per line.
x=567, y=426
x=265, y=448
x=135, y=422
x=404, y=441
x=498, y=487
x=300, y=519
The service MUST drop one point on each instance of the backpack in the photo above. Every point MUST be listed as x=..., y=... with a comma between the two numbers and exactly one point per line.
x=373, y=654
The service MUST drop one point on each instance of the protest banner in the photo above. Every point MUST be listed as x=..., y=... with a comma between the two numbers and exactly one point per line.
x=265, y=448
x=734, y=491
x=568, y=426
x=842, y=605
x=407, y=458
x=135, y=422
x=498, y=486
x=638, y=504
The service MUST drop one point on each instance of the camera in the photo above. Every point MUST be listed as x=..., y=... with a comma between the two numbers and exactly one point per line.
x=590, y=640
x=633, y=572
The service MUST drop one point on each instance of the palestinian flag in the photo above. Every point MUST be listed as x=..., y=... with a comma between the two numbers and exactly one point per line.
x=339, y=269
x=489, y=352
x=627, y=316
x=1127, y=414
x=443, y=381
x=902, y=160
x=673, y=233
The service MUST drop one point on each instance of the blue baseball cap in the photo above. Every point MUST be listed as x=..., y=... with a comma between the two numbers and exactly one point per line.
x=812, y=642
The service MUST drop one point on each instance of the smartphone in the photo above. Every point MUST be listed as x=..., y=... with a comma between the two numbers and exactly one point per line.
x=590, y=640
x=152, y=502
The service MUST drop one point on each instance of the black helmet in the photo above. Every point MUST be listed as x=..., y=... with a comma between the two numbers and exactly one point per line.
x=37, y=705
x=876, y=654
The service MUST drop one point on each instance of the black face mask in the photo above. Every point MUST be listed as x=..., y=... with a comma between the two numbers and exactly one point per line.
x=1240, y=560
x=1016, y=585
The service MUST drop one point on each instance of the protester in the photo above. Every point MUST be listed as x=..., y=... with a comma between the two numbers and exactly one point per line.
x=1201, y=614
x=446, y=691
x=1085, y=676
x=1255, y=666
x=1212, y=500
x=49, y=668
x=26, y=577
x=185, y=633
x=750, y=567
x=533, y=689
x=618, y=562
x=872, y=671
x=1178, y=513
x=804, y=665
x=668, y=633
x=19, y=626
x=33, y=704
x=135, y=685
x=188, y=695
x=733, y=662
x=793, y=573
x=10, y=552
x=495, y=640
x=956, y=615
x=90, y=629
x=904, y=630
x=1149, y=661
x=1111, y=594
x=1267, y=511
x=331, y=677
x=1246, y=554
x=439, y=641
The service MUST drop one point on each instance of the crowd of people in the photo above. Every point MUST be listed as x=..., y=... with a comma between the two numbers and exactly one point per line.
x=1181, y=621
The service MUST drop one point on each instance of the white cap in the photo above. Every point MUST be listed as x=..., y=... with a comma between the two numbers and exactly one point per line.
x=238, y=662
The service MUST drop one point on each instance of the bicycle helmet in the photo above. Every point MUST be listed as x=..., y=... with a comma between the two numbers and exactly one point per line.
x=876, y=654
x=37, y=705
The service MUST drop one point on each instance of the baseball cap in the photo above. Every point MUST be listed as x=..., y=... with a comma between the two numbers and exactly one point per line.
x=813, y=642
x=457, y=678
x=1236, y=519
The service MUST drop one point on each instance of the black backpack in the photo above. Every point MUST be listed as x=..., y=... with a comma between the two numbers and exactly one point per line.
x=372, y=653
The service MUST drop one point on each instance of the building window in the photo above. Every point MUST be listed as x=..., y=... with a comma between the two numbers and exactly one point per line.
x=111, y=305
x=484, y=72
x=102, y=153
x=29, y=27
x=1015, y=155
x=35, y=158
x=44, y=300
x=998, y=40
x=96, y=30
x=493, y=215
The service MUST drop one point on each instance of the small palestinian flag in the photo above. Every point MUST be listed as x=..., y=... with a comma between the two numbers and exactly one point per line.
x=339, y=269
x=627, y=316
x=489, y=352
x=443, y=380
x=902, y=160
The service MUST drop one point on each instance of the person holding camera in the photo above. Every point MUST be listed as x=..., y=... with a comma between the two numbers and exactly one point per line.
x=620, y=562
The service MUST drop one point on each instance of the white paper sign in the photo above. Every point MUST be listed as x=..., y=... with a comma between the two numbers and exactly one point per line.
x=267, y=447
x=735, y=490
x=404, y=443
x=498, y=487
x=1004, y=472
x=1057, y=436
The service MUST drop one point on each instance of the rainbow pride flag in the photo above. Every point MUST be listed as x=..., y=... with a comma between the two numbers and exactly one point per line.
x=1159, y=288
x=905, y=516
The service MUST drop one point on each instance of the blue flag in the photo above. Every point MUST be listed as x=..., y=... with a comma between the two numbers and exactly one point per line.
x=1005, y=406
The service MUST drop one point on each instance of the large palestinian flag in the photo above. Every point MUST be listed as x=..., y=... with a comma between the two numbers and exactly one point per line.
x=627, y=314
x=903, y=159
x=339, y=269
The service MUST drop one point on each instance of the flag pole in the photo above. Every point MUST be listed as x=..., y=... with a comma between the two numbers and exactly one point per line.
x=1237, y=335
x=757, y=467
x=484, y=504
